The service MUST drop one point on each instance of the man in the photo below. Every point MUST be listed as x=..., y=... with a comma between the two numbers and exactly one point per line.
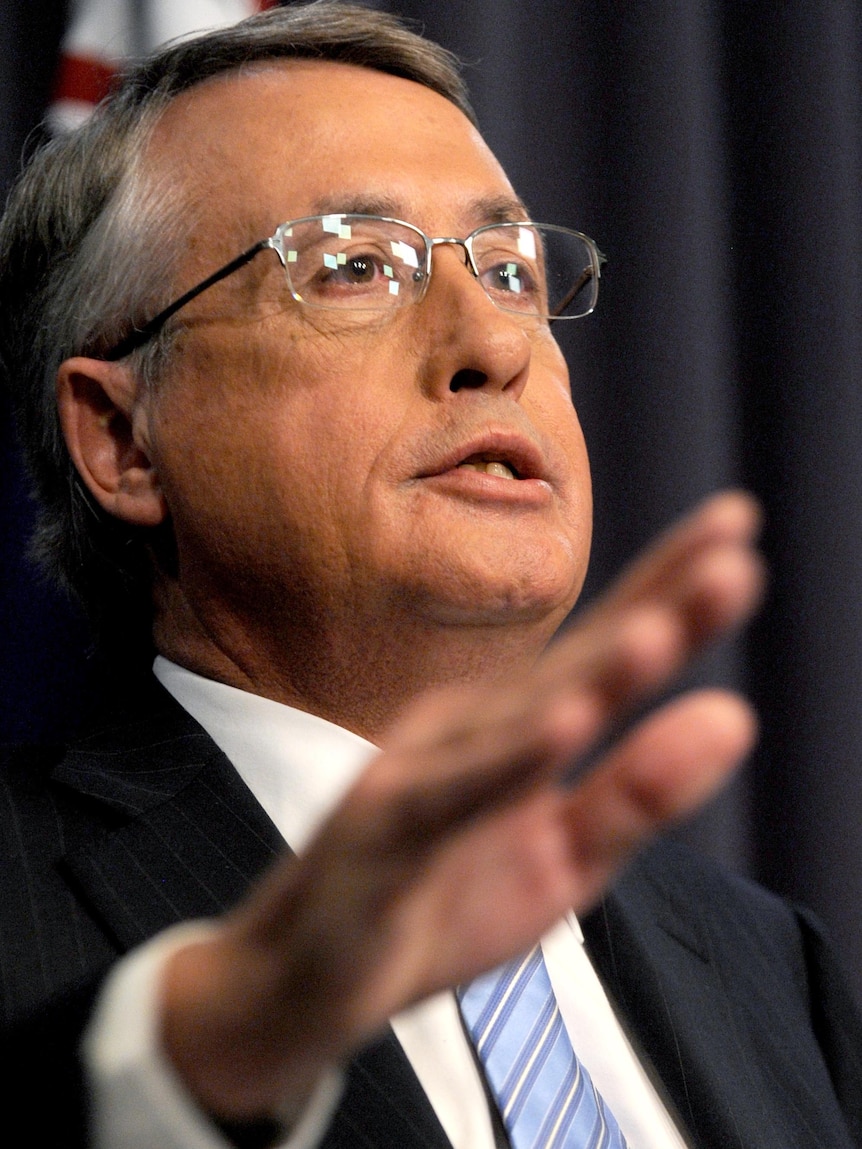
x=340, y=459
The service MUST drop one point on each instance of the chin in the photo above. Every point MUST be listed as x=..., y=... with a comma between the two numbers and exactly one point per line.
x=541, y=599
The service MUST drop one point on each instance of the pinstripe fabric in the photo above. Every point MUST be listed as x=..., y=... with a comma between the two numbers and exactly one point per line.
x=101, y=846
x=117, y=836
x=546, y=1097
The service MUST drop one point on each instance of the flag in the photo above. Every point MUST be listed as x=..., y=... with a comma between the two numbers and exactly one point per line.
x=103, y=33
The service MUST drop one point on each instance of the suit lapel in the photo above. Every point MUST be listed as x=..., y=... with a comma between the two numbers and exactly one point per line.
x=714, y=1000
x=182, y=838
x=384, y=1106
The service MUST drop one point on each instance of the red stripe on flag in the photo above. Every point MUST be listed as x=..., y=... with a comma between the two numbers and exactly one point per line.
x=79, y=78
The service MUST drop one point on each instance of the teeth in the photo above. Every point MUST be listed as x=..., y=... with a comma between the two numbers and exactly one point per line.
x=498, y=469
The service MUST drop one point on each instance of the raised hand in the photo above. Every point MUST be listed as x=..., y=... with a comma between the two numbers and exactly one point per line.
x=466, y=839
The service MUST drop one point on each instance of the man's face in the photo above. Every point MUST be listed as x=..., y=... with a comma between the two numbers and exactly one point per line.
x=311, y=464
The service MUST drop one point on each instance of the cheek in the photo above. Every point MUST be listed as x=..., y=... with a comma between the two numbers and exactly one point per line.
x=272, y=460
x=337, y=422
x=551, y=409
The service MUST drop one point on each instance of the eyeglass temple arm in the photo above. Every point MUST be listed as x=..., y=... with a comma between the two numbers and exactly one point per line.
x=138, y=338
x=585, y=276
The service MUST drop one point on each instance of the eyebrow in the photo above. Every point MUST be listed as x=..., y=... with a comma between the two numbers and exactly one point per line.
x=486, y=209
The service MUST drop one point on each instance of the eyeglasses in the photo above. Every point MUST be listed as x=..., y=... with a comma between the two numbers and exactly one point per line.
x=364, y=264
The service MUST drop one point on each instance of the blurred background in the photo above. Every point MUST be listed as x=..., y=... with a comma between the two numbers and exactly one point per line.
x=713, y=149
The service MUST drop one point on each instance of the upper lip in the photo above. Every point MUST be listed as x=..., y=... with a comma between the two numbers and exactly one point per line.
x=493, y=444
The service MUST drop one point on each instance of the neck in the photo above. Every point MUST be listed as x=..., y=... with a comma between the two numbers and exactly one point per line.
x=361, y=678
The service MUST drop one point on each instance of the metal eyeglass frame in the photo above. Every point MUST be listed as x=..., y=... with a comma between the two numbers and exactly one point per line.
x=142, y=335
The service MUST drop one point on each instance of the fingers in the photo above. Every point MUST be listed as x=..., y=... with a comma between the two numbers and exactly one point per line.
x=460, y=845
x=727, y=519
x=559, y=850
x=700, y=579
x=477, y=748
x=466, y=756
x=460, y=755
x=665, y=768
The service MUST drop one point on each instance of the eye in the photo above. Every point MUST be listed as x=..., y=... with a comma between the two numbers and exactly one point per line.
x=513, y=283
x=353, y=261
x=361, y=270
x=364, y=273
x=358, y=277
x=511, y=277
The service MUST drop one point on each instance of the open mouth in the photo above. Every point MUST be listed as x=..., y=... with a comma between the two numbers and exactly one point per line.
x=499, y=454
x=490, y=466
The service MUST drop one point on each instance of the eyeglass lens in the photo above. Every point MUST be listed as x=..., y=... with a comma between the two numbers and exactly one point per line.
x=355, y=262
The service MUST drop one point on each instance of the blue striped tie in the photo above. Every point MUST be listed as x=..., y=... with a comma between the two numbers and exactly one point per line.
x=544, y=1094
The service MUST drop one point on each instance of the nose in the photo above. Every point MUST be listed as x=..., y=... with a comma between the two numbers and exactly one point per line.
x=470, y=343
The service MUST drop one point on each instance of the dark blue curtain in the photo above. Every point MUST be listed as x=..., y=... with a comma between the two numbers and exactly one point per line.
x=43, y=638
x=712, y=148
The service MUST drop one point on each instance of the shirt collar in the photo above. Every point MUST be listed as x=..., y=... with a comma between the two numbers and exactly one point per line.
x=297, y=765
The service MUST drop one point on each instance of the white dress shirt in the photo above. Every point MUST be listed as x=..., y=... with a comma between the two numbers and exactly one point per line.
x=298, y=767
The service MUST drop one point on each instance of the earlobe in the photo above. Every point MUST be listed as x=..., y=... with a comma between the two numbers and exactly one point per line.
x=98, y=408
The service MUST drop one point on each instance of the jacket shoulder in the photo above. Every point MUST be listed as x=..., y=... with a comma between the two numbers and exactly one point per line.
x=734, y=996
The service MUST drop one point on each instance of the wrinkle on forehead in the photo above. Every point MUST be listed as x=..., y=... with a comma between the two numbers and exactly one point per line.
x=251, y=148
x=483, y=210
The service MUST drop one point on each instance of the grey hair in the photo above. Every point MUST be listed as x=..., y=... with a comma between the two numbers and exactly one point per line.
x=88, y=251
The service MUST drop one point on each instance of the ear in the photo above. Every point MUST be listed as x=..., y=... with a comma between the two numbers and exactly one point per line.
x=107, y=434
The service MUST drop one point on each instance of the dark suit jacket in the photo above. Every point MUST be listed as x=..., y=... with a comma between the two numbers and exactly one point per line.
x=728, y=994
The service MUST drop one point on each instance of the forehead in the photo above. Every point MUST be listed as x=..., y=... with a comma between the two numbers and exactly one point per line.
x=301, y=137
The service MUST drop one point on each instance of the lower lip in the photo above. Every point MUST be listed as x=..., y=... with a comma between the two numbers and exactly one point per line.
x=479, y=487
